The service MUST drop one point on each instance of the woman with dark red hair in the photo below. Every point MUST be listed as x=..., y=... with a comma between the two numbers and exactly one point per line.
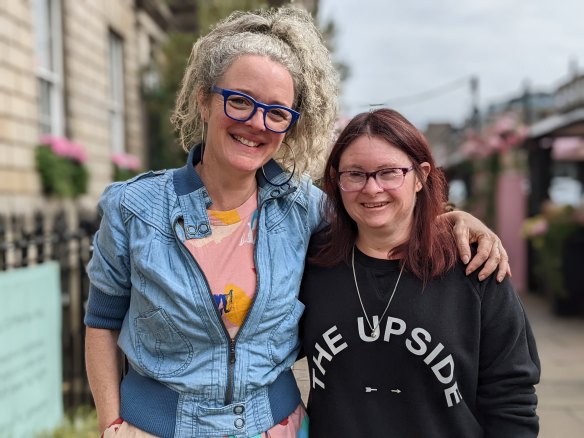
x=400, y=341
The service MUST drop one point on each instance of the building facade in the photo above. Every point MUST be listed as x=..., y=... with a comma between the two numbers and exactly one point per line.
x=73, y=70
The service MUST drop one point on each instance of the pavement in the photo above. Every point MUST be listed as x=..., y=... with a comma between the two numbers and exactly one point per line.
x=560, y=344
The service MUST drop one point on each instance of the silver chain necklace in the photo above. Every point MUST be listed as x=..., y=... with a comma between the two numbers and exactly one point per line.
x=374, y=330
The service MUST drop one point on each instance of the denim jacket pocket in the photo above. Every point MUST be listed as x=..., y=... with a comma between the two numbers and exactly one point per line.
x=162, y=349
x=284, y=338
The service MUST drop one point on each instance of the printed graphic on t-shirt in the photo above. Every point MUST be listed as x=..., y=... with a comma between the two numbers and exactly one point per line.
x=233, y=305
x=252, y=230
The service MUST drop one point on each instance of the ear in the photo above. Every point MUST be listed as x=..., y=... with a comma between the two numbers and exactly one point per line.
x=425, y=171
x=203, y=102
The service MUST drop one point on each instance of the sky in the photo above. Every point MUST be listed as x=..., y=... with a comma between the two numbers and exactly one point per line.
x=418, y=56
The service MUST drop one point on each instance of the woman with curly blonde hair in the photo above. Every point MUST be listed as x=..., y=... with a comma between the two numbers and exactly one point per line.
x=196, y=271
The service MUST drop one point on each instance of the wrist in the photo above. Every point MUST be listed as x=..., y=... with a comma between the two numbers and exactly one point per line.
x=116, y=423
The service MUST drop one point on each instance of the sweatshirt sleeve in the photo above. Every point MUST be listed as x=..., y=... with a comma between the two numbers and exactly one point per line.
x=109, y=266
x=509, y=365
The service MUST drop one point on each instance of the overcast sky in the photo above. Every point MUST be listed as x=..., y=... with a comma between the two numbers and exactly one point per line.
x=397, y=51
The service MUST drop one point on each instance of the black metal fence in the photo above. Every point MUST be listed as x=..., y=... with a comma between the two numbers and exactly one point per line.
x=65, y=237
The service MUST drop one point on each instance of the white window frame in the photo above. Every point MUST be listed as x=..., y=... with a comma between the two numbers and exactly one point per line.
x=116, y=95
x=49, y=66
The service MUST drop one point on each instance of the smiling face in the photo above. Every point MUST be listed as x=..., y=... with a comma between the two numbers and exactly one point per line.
x=243, y=147
x=373, y=209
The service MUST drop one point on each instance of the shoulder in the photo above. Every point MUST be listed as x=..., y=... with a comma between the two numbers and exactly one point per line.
x=307, y=190
x=304, y=197
x=142, y=193
x=456, y=285
x=496, y=300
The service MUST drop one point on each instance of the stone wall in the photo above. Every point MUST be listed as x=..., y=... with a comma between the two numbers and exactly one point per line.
x=85, y=30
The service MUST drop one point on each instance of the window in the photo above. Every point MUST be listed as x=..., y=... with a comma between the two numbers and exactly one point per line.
x=565, y=186
x=116, y=93
x=49, y=66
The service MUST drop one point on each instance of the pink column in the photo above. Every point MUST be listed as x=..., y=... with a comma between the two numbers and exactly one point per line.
x=511, y=212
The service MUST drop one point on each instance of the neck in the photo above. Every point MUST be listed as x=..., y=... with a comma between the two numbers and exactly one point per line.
x=380, y=244
x=226, y=191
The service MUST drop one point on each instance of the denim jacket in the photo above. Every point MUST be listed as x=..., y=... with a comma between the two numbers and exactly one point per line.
x=186, y=377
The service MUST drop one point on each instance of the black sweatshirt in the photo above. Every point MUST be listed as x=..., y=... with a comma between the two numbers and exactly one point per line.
x=455, y=359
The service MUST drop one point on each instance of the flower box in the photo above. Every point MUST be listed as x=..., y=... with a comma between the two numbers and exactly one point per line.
x=126, y=166
x=61, y=168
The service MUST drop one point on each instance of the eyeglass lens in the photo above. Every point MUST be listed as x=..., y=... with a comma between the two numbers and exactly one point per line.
x=387, y=179
x=241, y=108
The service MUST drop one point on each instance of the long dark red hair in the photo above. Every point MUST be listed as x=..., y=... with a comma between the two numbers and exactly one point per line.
x=431, y=249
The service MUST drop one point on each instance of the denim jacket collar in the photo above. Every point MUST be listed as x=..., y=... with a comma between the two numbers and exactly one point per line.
x=194, y=198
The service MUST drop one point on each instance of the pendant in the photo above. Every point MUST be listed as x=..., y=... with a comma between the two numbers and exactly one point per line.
x=375, y=332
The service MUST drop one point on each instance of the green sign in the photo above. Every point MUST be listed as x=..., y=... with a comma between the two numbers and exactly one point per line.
x=31, y=398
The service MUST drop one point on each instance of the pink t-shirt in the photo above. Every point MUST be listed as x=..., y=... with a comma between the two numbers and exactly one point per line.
x=227, y=259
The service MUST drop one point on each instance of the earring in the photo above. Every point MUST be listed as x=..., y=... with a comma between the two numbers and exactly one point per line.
x=203, y=139
x=283, y=160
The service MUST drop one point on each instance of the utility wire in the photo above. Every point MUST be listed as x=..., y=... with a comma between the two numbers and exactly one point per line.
x=423, y=96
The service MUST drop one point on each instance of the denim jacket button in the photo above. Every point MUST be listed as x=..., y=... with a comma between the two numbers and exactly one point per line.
x=275, y=192
x=239, y=423
x=203, y=228
x=191, y=229
x=238, y=410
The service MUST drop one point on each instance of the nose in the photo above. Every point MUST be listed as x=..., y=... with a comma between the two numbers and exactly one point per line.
x=371, y=186
x=257, y=120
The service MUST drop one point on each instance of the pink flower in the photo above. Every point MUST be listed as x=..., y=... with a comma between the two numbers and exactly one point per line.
x=538, y=227
x=126, y=161
x=506, y=132
x=77, y=152
x=505, y=123
x=64, y=148
x=474, y=145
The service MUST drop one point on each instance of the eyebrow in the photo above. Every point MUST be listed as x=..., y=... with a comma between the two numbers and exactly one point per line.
x=250, y=94
x=358, y=167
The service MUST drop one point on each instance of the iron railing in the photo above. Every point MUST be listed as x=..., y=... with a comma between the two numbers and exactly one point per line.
x=64, y=237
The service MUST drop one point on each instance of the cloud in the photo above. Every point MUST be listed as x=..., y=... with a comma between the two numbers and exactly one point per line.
x=399, y=48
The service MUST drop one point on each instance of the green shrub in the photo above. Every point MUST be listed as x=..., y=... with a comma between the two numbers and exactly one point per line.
x=60, y=176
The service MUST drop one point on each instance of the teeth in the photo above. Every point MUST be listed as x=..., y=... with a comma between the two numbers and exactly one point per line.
x=246, y=142
x=377, y=204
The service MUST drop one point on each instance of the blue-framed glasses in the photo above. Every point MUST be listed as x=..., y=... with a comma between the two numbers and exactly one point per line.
x=241, y=107
x=390, y=178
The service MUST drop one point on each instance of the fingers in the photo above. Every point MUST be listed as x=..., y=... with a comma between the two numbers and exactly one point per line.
x=485, y=255
x=461, y=234
x=491, y=255
x=492, y=262
x=504, y=266
x=496, y=259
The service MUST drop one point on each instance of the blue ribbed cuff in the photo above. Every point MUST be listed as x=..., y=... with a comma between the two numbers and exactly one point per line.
x=284, y=396
x=148, y=404
x=105, y=311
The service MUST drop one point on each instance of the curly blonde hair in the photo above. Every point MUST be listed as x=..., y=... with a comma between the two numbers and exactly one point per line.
x=286, y=35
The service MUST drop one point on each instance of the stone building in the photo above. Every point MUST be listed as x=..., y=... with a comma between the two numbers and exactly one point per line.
x=72, y=69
